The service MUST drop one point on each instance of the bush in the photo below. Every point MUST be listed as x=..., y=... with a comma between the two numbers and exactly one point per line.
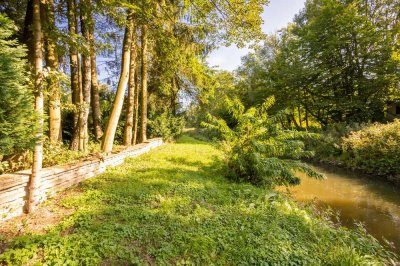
x=374, y=149
x=328, y=146
x=259, y=150
x=203, y=134
x=166, y=126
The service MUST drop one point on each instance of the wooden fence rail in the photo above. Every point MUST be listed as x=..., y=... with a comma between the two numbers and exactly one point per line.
x=14, y=187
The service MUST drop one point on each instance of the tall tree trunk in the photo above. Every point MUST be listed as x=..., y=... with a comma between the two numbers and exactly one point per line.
x=136, y=117
x=300, y=118
x=38, y=151
x=86, y=77
x=112, y=124
x=174, y=94
x=131, y=93
x=55, y=130
x=73, y=55
x=307, y=125
x=143, y=116
x=294, y=119
x=299, y=107
x=95, y=98
x=27, y=36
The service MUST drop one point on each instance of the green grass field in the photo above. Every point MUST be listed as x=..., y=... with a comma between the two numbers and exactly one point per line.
x=174, y=206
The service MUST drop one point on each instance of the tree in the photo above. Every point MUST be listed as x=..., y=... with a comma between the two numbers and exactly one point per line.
x=333, y=64
x=74, y=68
x=344, y=54
x=55, y=130
x=94, y=93
x=34, y=180
x=119, y=97
x=86, y=76
x=136, y=108
x=129, y=124
x=17, y=117
x=144, y=97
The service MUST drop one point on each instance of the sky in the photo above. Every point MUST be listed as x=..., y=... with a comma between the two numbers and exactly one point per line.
x=276, y=16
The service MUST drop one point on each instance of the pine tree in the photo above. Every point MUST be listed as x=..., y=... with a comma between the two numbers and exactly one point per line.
x=17, y=122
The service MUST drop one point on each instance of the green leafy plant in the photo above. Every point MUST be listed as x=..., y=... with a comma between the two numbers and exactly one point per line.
x=374, y=149
x=166, y=126
x=258, y=149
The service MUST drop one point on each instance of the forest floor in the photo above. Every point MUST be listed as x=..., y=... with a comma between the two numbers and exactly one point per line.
x=174, y=206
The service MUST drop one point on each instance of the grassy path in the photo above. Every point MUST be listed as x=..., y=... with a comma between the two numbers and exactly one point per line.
x=173, y=206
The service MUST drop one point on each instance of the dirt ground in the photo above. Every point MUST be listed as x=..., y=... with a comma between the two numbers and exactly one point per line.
x=47, y=214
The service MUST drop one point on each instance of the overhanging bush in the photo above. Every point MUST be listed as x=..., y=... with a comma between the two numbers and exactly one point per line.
x=375, y=149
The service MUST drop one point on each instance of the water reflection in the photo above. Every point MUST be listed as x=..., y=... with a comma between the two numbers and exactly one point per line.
x=358, y=199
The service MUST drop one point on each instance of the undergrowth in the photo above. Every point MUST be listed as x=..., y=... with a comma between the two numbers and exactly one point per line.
x=53, y=154
x=370, y=148
x=174, y=206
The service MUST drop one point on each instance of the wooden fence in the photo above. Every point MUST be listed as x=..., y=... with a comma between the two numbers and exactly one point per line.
x=14, y=187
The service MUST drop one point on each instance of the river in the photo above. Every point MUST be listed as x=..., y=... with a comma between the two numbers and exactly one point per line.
x=357, y=198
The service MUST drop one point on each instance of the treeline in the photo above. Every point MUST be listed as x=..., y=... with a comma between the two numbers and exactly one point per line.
x=338, y=62
x=76, y=72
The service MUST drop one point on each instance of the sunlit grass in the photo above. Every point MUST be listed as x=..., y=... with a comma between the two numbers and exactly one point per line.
x=174, y=206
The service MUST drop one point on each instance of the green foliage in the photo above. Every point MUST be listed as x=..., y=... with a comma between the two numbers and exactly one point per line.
x=17, y=118
x=374, y=149
x=173, y=206
x=258, y=149
x=371, y=148
x=328, y=147
x=166, y=126
x=334, y=64
x=53, y=154
x=57, y=154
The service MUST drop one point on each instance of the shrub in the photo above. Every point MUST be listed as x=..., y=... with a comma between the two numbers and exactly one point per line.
x=328, y=146
x=166, y=126
x=258, y=149
x=374, y=149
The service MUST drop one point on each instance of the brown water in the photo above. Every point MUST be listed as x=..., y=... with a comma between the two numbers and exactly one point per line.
x=357, y=198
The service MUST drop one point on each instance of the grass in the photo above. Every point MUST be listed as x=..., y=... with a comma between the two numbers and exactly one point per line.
x=174, y=206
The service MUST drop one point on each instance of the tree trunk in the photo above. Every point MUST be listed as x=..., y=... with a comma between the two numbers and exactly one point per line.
x=143, y=117
x=38, y=151
x=95, y=98
x=55, y=130
x=136, y=117
x=294, y=119
x=86, y=77
x=73, y=55
x=27, y=36
x=300, y=118
x=119, y=97
x=174, y=94
x=131, y=94
x=307, y=125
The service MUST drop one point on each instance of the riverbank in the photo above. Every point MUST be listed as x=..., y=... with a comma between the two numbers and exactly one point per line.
x=369, y=149
x=353, y=199
x=174, y=206
x=343, y=166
